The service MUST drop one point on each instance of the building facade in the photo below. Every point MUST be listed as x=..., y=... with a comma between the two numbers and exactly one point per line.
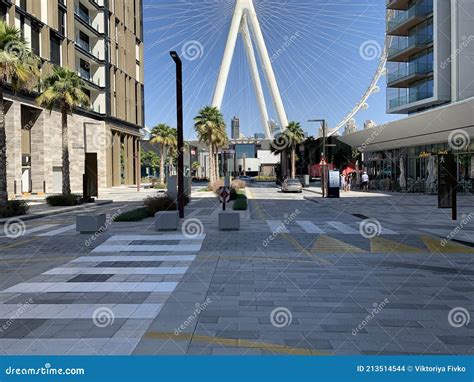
x=102, y=40
x=429, y=77
x=235, y=127
x=430, y=54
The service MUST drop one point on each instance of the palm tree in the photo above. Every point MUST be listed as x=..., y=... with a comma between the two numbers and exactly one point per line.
x=211, y=130
x=295, y=135
x=63, y=89
x=172, y=147
x=18, y=69
x=162, y=135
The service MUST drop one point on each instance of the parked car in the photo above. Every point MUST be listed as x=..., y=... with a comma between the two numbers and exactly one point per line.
x=245, y=178
x=292, y=185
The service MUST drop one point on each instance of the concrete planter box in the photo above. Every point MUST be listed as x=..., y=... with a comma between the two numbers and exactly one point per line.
x=167, y=221
x=229, y=221
x=91, y=223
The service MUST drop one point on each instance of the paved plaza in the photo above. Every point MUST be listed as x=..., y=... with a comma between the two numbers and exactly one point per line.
x=390, y=274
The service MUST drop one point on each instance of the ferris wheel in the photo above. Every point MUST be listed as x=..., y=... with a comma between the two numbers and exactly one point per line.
x=328, y=58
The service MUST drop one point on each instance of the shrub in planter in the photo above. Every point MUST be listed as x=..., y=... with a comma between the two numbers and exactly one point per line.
x=63, y=200
x=159, y=186
x=240, y=204
x=14, y=208
x=154, y=204
x=238, y=184
x=133, y=216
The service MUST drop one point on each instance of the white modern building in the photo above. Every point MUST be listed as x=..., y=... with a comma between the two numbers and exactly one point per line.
x=430, y=77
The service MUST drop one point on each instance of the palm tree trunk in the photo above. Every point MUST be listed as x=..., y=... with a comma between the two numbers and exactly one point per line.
x=3, y=152
x=293, y=162
x=216, y=163
x=211, y=166
x=162, y=164
x=65, y=148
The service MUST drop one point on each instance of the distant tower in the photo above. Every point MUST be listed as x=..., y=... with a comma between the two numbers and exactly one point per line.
x=369, y=124
x=351, y=127
x=235, y=128
x=245, y=20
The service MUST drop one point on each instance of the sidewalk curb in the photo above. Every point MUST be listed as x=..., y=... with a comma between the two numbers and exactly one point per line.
x=56, y=212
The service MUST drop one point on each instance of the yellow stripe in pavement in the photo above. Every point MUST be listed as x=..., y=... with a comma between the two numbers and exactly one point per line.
x=16, y=244
x=230, y=342
x=438, y=245
x=287, y=236
x=380, y=245
x=326, y=244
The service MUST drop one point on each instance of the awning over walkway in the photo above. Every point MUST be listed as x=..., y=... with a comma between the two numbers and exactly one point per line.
x=433, y=126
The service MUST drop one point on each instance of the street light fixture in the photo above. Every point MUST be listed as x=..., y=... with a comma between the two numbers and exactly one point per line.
x=179, y=108
x=323, y=154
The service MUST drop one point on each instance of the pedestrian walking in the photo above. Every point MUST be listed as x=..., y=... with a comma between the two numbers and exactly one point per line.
x=365, y=182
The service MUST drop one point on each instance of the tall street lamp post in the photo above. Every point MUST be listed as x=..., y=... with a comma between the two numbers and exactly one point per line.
x=323, y=155
x=179, y=106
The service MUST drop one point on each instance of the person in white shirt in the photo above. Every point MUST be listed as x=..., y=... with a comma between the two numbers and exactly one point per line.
x=365, y=182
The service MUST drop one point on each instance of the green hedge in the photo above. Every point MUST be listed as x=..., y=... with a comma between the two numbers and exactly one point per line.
x=14, y=208
x=241, y=204
x=63, y=200
x=154, y=204
x=133, y=216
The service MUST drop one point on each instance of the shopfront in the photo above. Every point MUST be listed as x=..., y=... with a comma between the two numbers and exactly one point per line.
x=418, y=165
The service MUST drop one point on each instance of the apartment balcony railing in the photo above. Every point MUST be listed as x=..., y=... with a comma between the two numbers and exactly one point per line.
x=87, y=19
x=405, y=48
x=84, y=74
x=402, y=21
x=408, y=99
x=403, y=77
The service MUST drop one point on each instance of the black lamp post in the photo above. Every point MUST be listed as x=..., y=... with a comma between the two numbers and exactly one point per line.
x=179, y=106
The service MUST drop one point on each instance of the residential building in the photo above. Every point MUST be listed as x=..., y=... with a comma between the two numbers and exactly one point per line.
x=430, y=54
x=102, y=40
x=430, y=77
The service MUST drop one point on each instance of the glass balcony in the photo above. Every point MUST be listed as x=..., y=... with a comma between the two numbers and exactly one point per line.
x=84, y=45
x=405, y=48
x=408, y=99
x=402, y=21
x=83, y=15
x=402, y=77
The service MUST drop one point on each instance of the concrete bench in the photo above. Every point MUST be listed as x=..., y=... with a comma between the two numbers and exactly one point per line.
x=229, y=221
x=167, y=221
x=91, y=223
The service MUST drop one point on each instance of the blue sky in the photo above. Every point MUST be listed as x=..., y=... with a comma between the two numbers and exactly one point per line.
x=322, y=73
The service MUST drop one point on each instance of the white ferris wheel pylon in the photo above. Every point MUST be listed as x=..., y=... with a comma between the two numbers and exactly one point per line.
x=246, y=22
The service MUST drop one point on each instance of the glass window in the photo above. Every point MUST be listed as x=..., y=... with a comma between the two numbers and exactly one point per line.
x=55, y=51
